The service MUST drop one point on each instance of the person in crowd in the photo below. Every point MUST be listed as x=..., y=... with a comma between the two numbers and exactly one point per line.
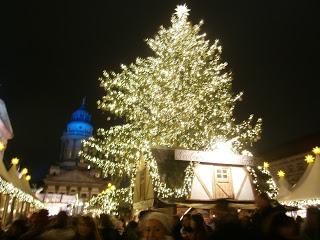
x=310, y=229
x=226, y=223
x=1, y=230
x=157, y=226
x=176, y=227
x=142, y=214
x=86, y=229
x=58, y=228
x=131, y=231
x=282, y=227
x=265, y=211
x=107, y=228
x=119, y=227
x=15, y=231
x=38, y=223
x=299, y=221
x=186, y=229
x=199, y=229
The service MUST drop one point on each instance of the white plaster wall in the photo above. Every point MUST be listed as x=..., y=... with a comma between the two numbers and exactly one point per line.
x=205, y=172
x=238, y=177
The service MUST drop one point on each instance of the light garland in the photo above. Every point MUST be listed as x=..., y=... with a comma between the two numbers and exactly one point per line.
x=181, y=97
x=9, y=188
x=301, y=204
x=258, y=181
x=108, y=201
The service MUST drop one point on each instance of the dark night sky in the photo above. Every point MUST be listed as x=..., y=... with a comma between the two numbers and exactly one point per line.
x=52, y=53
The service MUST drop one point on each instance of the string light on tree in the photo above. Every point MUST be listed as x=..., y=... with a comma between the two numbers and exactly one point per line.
x=180, y=97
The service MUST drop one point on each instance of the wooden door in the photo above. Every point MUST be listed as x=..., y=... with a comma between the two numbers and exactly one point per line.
x=223, y=183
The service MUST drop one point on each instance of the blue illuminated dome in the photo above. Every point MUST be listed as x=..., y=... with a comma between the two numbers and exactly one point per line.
x=78, y=129
x=80, y=123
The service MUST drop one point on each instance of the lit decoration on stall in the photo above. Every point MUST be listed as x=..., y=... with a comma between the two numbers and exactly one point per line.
x=316, y=150
x=14, y=161
x=2, y=146
x=305, y=203
x=309, y=159
x=28, y=177
x=24, y=171
x=281, y=173
x=181, y=97
x=266, y=165
x=9, y=188
x=263, y=181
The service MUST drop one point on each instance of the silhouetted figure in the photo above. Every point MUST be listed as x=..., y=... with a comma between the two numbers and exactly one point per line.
x=131, y=231
x=58, y=228
x=38, y=223
x=310, y=229
x=86, y=229
x=15, y=231
x=199, y=229
x=265, y=211
x=107, y=229
x=186, y=229
x=282, y=227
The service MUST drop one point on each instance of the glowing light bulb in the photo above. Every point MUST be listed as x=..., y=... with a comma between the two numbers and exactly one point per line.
x=316, y=150
x=15, y=161
x=309, y=158
x=281, y=173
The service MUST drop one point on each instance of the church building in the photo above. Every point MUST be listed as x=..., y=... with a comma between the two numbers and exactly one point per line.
x=71, y=179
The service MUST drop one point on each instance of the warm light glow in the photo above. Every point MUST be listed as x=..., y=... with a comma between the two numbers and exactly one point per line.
x=182, y=10
x=316, y=150
x=266, y=165
x=281, y=173
x=15, y=161
x=113, y=188
x=24, y=171
x=28, y=177
x=109, y=185
x=2, y=146
x=309, y=158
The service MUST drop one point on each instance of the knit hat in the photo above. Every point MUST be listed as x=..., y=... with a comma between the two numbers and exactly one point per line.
x=164, y=219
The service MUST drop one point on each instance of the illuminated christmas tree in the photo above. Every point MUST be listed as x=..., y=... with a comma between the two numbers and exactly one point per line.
x=180, y=97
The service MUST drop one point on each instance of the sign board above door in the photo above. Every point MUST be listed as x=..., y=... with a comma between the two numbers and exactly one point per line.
x=216, y=157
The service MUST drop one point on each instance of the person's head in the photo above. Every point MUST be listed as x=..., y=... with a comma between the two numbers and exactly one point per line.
x=86, y=227
x=17, y=228
x=197, y=222
x=105, y=221
x=284, y=226
x=156, y=226
x=263, y=201
x=61, y=220
x=186, y=220
x=313, y=217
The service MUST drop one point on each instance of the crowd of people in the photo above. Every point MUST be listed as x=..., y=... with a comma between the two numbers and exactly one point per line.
x=268, y=222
